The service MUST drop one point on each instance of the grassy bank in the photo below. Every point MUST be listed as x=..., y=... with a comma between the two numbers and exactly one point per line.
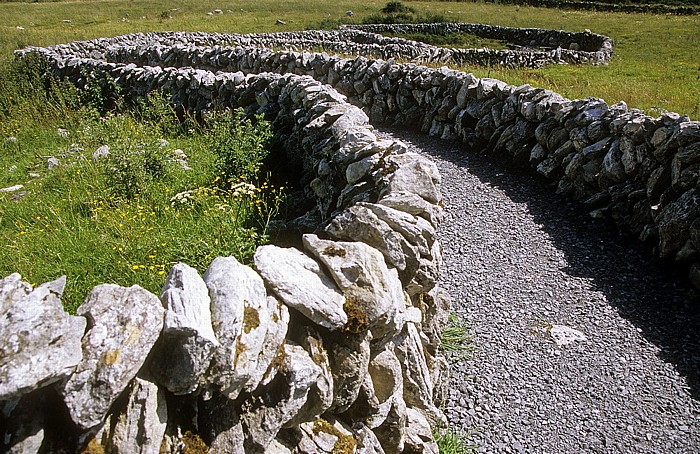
x=656, y=64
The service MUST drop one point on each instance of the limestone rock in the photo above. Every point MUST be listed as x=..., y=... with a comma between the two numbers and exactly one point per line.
x=40, y=342
x=124, y=324
x=359, y=223
x=299, y=282
x=419, y=437
x=183, y=352
x=240, y=317
x=320, y=436
x=349, y=359
x=564, y=335
x=415, y=174
x=140, y=428
x=25, y=422
x=320, y=396
x=367, y=442
x=281, y=400
x=417, y=231
x=674, y=222
x=413, y=204
x=417, y=382
x=373, y=293
x=274, y=340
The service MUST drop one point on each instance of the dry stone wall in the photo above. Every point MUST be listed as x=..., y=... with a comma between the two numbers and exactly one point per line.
x=350, y=356
x=329, y=347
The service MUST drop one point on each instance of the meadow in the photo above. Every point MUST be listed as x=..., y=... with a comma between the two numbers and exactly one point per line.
x=128, y=217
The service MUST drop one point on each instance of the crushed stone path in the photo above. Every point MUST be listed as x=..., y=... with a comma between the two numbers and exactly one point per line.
x=524, y=267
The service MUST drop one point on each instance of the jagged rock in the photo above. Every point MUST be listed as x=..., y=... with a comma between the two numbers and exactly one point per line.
x=419, y=437
x=40, y=342
x=320, y=436
x=564, y=335
x=115, y=347
x=239, y=311
x=411, y=203
x=417, y=231
x=281, y=400
x=140, y=428
x=367, y=442
x=320, y=396
x=349, y=359
x=392, y=432
x=435, y=307
x=183, y=353
x=417, y=383
x=373, y=293
x=674, y=222
x=361, y=224
x=299, y=282
x=273, y=342
x=415, y=174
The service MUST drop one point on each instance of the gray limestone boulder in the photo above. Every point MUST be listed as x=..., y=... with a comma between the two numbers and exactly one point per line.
x=240, y=316
x=415, y=174
x=373, y=293
x=419, y=437
x=140, y=428
x=417, y=380
x=359, y=223
x=298, y=281
x=411, y=203
x=40, y=342
x=349, y=359
x=186, y=346
x=273, y=342
x=123, y=325
x=282, y=399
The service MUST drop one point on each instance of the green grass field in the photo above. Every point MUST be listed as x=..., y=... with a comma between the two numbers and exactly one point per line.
x=656, y=64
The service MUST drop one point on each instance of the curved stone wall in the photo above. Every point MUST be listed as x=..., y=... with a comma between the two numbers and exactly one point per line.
x=329, y=347
x=534, y=47
x=642, y=172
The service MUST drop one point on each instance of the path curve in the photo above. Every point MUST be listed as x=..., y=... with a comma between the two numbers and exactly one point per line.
x=519, y=261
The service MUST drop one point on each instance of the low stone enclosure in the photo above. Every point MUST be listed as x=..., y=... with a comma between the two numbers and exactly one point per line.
x=532, y=47
x=332, y=346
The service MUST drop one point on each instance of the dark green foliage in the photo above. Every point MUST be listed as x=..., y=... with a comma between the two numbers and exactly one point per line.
x=397, y=7
x=240, y=145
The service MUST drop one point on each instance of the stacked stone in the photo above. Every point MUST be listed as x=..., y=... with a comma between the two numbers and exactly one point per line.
x=534, y=47
x=329, y=348
x=639, y=171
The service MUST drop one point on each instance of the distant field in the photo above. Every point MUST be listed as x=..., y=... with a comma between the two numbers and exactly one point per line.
x=656, y=65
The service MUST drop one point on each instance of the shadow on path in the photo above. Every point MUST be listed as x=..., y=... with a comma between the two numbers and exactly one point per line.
x=650, y=294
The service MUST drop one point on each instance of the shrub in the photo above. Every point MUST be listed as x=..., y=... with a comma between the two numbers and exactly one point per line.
x=240, y=145
x=397, y=7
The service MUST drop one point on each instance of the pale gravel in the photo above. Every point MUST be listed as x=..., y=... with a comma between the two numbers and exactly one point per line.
x=519, y=259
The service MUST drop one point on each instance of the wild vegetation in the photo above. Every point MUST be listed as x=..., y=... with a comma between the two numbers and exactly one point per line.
x=118, y=193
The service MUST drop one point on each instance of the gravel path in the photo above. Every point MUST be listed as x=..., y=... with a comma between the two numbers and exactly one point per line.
x=521, y=262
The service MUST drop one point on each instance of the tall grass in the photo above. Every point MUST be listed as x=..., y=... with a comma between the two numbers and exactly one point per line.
x=161, y=194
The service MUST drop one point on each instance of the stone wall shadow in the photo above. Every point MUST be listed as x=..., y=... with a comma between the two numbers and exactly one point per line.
x=650, y=294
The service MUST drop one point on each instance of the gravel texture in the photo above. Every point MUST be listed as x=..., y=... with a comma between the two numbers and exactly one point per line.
x=520, y=262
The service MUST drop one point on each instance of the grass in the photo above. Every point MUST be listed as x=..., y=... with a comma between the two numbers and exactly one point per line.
x=656, y=65
x=451, y=441
x=456, y=338
x=128, y=217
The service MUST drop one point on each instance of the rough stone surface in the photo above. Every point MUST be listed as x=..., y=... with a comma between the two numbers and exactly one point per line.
x=240, y=316
x=114, y=348
x=141, y=427
x=299, y=282
x=185, y=348
x=40, y=343
x=373, y=294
